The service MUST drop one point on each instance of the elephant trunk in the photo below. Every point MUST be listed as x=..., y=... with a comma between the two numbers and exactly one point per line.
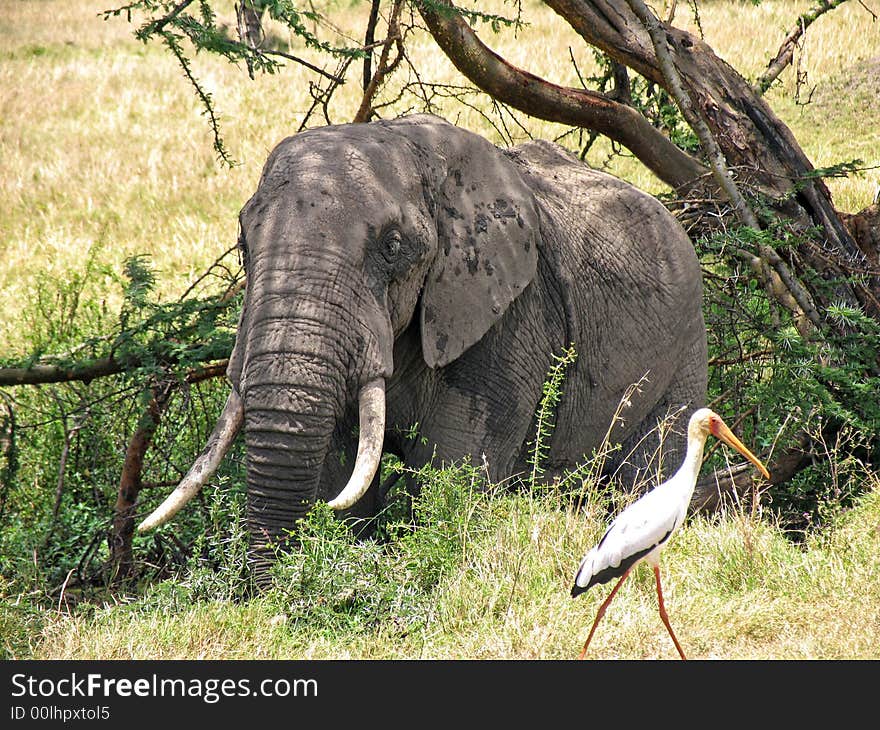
x=299, y=375
x=288, y=428
x=284, y=461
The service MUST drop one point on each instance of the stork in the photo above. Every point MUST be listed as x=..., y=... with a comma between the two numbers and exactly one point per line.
x=641, y=530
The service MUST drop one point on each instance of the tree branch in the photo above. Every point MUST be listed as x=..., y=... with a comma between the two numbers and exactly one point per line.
x=85, y=372
x=130, y=480
x=369, y=37
x=301, y=62
x=156, y=26
x=716, y=158
x=744, y=126
x=674, y=85
x=545, y=100
x=371, y=87
x=89, y=370
x=785, y=54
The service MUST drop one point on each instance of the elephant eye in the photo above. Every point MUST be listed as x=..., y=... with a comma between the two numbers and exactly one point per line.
x=391, y=245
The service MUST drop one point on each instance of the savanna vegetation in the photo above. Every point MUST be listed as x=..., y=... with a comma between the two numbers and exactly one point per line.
x=124, y=161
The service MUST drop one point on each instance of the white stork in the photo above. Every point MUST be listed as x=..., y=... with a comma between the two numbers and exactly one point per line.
x=641, y=530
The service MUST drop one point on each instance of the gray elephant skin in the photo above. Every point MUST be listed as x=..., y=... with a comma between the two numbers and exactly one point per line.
x=409, y=274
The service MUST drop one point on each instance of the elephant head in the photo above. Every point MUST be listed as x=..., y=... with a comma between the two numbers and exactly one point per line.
x=354, y=231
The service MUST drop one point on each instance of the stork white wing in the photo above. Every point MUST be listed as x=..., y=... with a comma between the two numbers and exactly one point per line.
x=634, y=534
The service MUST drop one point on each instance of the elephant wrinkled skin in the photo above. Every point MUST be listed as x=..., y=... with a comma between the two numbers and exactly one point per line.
x=414, y=268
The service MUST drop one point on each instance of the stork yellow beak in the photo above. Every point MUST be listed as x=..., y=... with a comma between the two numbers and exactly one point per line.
x=720, y=430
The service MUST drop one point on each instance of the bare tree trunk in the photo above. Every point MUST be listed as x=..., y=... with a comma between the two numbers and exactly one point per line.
x=130, y=482
x=758, y=147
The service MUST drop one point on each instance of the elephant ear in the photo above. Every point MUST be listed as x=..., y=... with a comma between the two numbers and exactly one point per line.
x=487, y=227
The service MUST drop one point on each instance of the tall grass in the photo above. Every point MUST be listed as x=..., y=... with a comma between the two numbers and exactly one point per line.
x=484, y=571
x=488, y=577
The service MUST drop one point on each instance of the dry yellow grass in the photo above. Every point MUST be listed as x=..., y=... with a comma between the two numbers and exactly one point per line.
x=735, y=588
x=103, y=147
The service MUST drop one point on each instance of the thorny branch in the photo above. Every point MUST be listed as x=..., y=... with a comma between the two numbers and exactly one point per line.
x=792, y=41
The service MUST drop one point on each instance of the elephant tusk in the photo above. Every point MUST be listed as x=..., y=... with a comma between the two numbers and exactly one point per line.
x=228, y=425
x=370, y=440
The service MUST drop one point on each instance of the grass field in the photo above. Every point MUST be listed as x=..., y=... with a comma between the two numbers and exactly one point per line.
x=493, y=581
x=104, y=153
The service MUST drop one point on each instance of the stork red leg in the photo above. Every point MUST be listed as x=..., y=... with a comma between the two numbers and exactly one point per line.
x=663, y=614
x=601, y=612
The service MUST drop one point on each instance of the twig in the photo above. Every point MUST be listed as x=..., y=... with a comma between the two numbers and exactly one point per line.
x=88, y=553
x=189, y=290
x=173, y=45
x=784, y=55
x=321, y=97
x=384, y=68
x=745, y=357
x=156, y=26
x=7, y=450
x=62, y=468
x=873, y=14
x=302, y=62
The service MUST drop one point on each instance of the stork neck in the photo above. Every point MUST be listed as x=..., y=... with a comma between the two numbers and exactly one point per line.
x=693, y=460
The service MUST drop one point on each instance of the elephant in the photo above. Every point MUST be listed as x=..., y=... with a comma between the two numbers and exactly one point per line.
x=409, y=274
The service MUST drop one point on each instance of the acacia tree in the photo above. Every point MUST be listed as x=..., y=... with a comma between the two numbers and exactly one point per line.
x=793, y=286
